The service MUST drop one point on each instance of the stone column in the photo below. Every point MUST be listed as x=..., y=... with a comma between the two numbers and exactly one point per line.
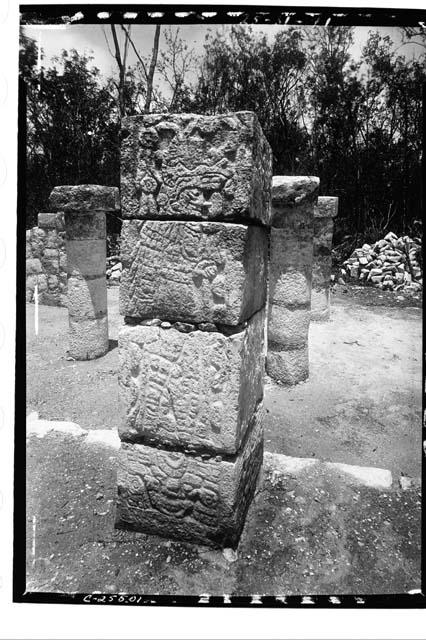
x=290, y=277
x=324, y=213
x=84, y=208
x=196, y=205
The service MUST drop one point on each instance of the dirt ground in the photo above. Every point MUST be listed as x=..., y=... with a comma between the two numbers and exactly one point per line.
x=308, y=533
x=361, y=404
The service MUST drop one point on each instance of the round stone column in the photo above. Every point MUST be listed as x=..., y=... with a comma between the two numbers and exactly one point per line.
x=84, y=208
x=290, y=277
x=324, y=214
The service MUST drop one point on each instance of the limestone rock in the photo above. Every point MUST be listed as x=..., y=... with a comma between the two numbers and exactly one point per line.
x=188, y=166
x=84, y=197
x=288, y=327
x=194, y=390
x=87, y=298
x=193, y=271
x=186, y=497
x=326, y=207
x=288, y=367
x=88, y=338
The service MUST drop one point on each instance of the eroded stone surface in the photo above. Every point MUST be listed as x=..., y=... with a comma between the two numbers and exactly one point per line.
x=86, y=258
x=290, y=276
x=288, y=327
x=288, y=366
x=177, y=495
x=195, y=166
x=194, y=390
x=84, y=197
x=91, y=226
x=320, y=304
x=192, y=271
x=327, y=207
x=292, y=191
x=88, y=338
x=87, y=298
x=51, y=221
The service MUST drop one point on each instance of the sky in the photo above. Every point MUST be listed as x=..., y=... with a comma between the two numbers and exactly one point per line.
x=90, y=39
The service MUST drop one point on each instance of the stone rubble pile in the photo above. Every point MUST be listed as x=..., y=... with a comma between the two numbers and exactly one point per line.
x=389, y=264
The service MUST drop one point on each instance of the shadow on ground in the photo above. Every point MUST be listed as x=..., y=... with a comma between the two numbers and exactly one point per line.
x=311, y=533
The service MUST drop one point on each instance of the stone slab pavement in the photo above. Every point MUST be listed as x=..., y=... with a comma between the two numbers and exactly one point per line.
x=311, y=529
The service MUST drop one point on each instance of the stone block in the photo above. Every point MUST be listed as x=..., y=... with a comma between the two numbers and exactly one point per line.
x=42, y=282
x=193, y=271
x=288, y=327
x=326, y=207
x=292, y=244
x=52, y=282
x=289, y=192
x=190, y=166
x=86, y=258
x=91, y=226
x=194, y=391
x=87, y=298
x=47, y=220
x=84, y=198
x=288, y=367
x=88, y=338
x=320, y=304
x=182, y=496
x=33, y=265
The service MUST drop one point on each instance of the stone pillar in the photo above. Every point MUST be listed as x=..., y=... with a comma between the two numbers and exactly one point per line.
x=84, y=208
x=290, y=277
x=196, y=205
x=324, y=213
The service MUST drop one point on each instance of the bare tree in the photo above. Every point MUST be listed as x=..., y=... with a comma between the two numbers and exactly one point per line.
x=121, y=59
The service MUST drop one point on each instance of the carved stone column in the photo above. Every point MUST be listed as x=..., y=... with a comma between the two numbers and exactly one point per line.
x=324, y=214
x=290, y=277
x=196, y=203
x=84, y=208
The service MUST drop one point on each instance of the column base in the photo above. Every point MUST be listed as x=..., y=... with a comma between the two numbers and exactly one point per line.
x=195, y=498
x=88, y=338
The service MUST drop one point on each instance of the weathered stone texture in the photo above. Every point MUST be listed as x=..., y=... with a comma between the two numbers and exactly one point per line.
x=288, y=366
x=88, y=338
x=193, y=271
x=86, y=258
x=90, y=226
x=195, y=391
x=186, y=497
x=51, y=221
x=325, y=211
x=87, y=297
x=327, y=207
x=290, y=276
x=46, y=261
x=191, y=166
x=288, y=327
x=84, y=198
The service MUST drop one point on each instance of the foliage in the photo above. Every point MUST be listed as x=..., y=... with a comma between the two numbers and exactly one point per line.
x=357, y=124
x=72, y=131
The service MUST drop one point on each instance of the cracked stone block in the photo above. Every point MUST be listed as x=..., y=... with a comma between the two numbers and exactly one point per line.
x=193, y=271
x=188, y=166
x=192, y=498
x=195, y=391
x=288, y=366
